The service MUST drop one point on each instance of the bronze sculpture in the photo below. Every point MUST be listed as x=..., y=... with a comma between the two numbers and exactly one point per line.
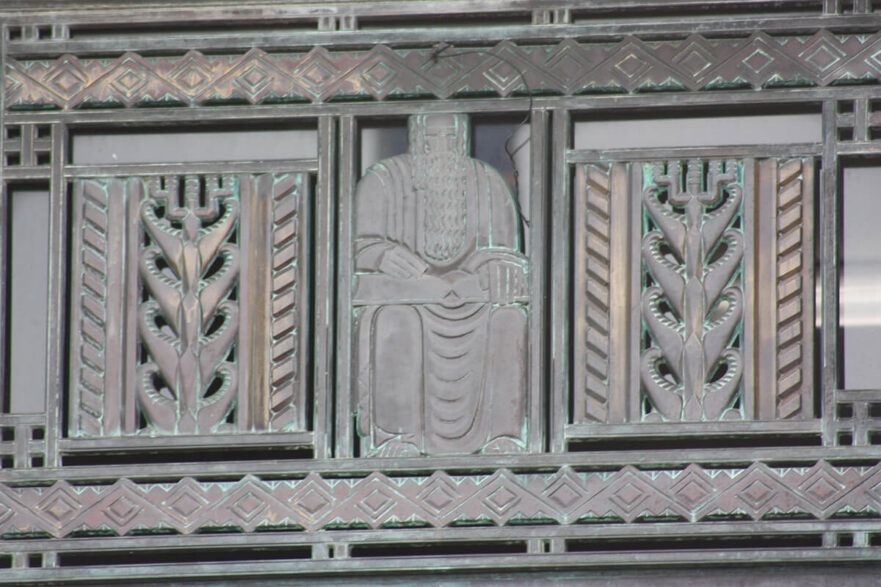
x=441, y=300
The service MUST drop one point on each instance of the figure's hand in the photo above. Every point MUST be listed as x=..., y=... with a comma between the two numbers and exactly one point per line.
x=401, y=263
x=506, y=281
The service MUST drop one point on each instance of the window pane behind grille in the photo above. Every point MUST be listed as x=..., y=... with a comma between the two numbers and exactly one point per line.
x=698, y=132
x=163, y=147
x=28, y=296
x=860, y=289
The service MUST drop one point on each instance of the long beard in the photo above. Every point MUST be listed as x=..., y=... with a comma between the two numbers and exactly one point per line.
x=440, y=183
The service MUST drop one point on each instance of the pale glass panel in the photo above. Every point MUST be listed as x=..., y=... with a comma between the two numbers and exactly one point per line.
x=29, y=285
x=699, y=132
x=185, y=147
x=488, y=143
x=382, y=142
x=505, y=146
x=860, y=287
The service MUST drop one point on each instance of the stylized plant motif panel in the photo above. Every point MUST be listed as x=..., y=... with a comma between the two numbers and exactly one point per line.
x=188, y=322
x=173, y=332
x=692, y=303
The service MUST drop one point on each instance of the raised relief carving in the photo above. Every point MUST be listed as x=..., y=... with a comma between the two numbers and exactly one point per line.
x=593, y=260
x=793, y=325
x=692, y=304
x=188, y=323
x=440, y=301
x=568, y=68
x=174, y=333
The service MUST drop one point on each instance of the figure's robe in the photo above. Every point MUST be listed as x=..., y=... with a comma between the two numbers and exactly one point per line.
x=439, y=367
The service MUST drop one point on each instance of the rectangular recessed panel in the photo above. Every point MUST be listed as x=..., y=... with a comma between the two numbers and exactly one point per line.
x=184, y=147
x=165, y=344
x=28, y=296
x=698, y=131
x=860, y=287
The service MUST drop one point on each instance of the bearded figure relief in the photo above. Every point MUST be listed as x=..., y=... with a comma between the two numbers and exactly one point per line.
x=440, y=301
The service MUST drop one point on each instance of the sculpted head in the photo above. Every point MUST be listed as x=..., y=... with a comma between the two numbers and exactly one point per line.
x=432, y=134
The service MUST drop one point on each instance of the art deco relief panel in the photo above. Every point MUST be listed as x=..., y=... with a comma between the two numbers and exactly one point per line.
x=440, y=303
x=493, y=337
x=188, y=304
x=675, y=260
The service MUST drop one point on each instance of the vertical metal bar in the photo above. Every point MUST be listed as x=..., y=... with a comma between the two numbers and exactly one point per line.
x=5, y=394
x=4, y=235
x=861, y=119
x=632, y=195
x=748, y=280
x=325, y=214
x=538, y=182
x=133, y=191
x=765, y=281
x=344, y=401
x=57, y=310
x=561, y=247
x=261, y=255
x=247, y=318
x=307, y=200
x=831, y=6
x=829, y=271
x=579, y=285
x=620, y=301
x=808, y=195
x=256, y=315
x=114, y=398
x=21, y=458
x=26, y=154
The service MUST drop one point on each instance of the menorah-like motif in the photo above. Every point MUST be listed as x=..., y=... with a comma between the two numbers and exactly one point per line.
x=173, y=334
x=189, y=322
x=692, y=305
x=470, y=355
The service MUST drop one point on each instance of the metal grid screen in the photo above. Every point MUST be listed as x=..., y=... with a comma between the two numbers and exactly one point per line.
x=343, y=288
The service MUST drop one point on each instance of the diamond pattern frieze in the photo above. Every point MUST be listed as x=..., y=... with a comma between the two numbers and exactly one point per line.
x=193, y=73
x=310, y=500
x=60, y=505
x=691, y=494
x=694, y=488
x=249, y=504
x=316, y=71
x=569, y=67
x=67, y=77
x=124, y=507
x=377, y=500
x=566, y=491
x=566, y=63
x=439, y=494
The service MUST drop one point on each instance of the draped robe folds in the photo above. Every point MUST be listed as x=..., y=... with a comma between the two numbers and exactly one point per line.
x=439, y=368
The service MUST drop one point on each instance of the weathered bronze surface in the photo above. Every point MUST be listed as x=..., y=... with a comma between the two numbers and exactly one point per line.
x=440, y=300
x=290, y=369
x=167, y=337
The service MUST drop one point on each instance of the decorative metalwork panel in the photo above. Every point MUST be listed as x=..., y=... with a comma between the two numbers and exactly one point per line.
x=440, y=305
x=171, y=334
x=494, y=348
x=564, y=496
x=569, y=68
x=691, y=365
x=693, y=233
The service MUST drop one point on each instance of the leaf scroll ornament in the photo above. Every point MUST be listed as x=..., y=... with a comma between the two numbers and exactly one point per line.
x=692, y=309
x=188, y=323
